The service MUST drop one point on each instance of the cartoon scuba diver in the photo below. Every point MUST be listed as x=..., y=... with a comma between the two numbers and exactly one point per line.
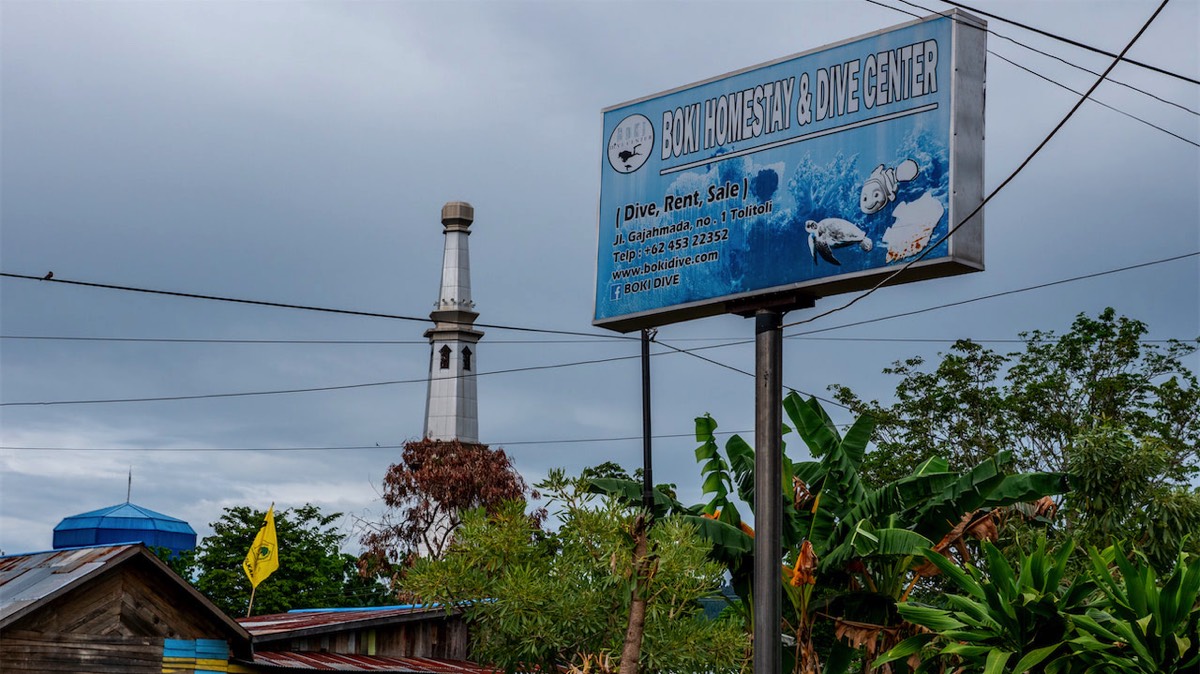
x=880, y=188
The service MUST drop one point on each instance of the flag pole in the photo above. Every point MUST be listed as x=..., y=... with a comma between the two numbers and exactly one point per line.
x=253, y=589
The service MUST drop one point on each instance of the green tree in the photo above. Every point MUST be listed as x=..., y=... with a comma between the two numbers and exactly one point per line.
x=1120, y=415
x=1037, y=402
x=552, y=600
x=313, y=571
x=182, y=563
x=1120, y=490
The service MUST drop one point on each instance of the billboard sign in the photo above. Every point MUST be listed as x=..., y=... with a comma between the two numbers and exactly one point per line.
x=814, y=174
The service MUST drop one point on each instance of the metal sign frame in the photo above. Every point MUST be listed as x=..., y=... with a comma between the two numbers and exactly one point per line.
x=704, y=204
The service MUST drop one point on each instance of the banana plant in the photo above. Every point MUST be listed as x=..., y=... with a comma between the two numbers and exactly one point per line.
x=876, y=534
x=864, y=543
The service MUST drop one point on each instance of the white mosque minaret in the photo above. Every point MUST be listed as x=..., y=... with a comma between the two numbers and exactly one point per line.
x=451, y=405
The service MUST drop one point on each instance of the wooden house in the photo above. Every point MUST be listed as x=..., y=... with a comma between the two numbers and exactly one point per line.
x=412, y=639
x=114, y=609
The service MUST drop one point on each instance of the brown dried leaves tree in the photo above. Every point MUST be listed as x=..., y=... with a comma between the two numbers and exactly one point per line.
x=427, y=492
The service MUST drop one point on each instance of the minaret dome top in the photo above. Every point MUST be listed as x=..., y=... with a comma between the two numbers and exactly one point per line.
x=457, y=215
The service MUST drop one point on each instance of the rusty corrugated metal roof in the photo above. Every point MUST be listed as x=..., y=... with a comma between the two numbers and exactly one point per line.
x=298, y=623
x=28, y=580
x=335, y=662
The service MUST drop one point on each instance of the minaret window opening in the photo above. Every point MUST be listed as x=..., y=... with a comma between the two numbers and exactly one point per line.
x=467, y=358
x=445, y=354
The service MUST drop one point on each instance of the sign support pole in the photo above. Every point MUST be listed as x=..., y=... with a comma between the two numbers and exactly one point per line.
x=768, y=472
x=647, y=477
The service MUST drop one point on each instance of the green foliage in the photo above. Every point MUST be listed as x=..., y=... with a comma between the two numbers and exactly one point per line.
x=313, y=572
x=828, y=503
x=182, y=563
x=866, y=540
x=1036, y=402
x=1115, y=617
x=1119, y=489
x=1158, y=625
x=1007, y=620
x=550, y=599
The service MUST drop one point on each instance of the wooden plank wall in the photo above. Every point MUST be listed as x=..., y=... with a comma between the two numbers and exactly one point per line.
x=436, y=638
x=440, y=638
x=151, y=604
x=91, y=609
x=51, y=653
x=133, y=601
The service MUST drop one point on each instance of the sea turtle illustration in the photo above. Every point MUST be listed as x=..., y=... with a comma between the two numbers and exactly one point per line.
x=880, y=187
x=832, y=233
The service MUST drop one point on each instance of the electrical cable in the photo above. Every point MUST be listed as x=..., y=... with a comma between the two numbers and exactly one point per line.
x=990, y=296
x=351, y=447
x=354, y=342
x=1032, y=49
x=425, y=342
x=1053, y=132
x=1115, y=81
x=283, y=305
x=947, y=305
x=1097, y=102
x=1056, y=82
x=157, y=450
x=1074, y=43
x=315, y=389
x=691, y=351
x=604, y=337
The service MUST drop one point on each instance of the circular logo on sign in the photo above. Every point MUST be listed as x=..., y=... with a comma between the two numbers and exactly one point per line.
x=630, y=144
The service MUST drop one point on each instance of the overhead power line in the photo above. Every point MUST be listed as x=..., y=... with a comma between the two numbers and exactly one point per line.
x=607, y=337
x=200, y=449
x=344, y=387
x=563, y=441
x=1075, y=43
x=425, y=342
x=991, y=296
x=1097, y=102
x=691, y=351
x=879, y=319
x=1004, y=183
x=302, y=307
x=314, y=389
x=1031, y=48
x=349, y=342
x=1054, y=81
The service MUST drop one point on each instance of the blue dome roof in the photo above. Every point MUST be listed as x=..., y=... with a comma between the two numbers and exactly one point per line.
x=124, y=523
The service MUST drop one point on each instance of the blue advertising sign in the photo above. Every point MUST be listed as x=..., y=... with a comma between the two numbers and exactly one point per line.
x=815, y=174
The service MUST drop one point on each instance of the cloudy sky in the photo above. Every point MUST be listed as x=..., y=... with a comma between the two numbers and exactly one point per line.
x=300, y=153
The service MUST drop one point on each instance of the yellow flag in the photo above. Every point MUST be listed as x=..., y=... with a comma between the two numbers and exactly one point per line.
x=263, y=558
